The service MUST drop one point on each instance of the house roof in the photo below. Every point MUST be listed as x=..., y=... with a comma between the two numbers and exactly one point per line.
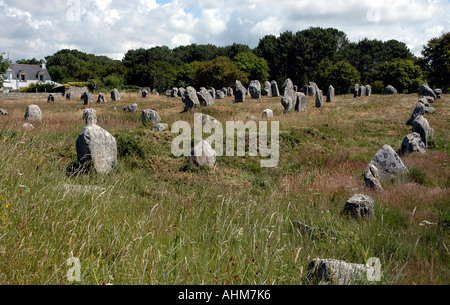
x=32, y=71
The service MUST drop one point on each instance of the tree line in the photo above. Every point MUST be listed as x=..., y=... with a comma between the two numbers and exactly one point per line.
x=323, y=55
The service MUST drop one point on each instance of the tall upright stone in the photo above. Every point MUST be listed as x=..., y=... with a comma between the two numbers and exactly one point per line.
x=33, y=113
x=266, y=91
x=330, y=94
x=389, y=90
x=90, y=116
x=101, y=98
x=115, y=95
x=368, y=90
x=425, y=90
x=289, y=96
x=274, y=87
x=422, y=127
x=204, y=97
x=150, y=117
x=362, y=91
x=190, y=99
x=319, y=98
x=356, y=91
x=240, y=92
x=255, y=89
x=300, y=105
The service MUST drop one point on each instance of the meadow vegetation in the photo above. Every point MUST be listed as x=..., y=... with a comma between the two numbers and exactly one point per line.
x=156, y=219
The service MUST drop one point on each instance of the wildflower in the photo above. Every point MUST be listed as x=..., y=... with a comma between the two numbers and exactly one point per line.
x=8, y=205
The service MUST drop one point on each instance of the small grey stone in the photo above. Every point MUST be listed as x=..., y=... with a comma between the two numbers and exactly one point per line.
x=131, y=108
x=27, y=126
x=371, y=177
x=33, y=113
x=255, y=89
x=412, y=144
x=3, y=112
x=422, y=127
x=150, y=116
x=389, y=90
x=101, y=98
x=360, y=206
x=203, y=154
x=161, y=127
x=115, y=95
x=90, y=116
x=388, y=163
x=239, y=93
x=267, y=114
x=335, y=271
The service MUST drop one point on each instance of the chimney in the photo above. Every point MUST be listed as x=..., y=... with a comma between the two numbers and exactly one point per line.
x=42, y=65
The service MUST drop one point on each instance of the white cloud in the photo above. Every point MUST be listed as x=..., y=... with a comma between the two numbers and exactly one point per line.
x=112, y=27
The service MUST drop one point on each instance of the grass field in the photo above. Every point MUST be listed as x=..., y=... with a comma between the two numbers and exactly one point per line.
x=158, y=220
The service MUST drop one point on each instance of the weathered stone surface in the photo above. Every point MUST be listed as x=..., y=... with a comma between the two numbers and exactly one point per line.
x=90, y=116
x=101, y=98
x=255, y=89
x=33, y=113
x=181, y=91
x=362, y=91
x=239, y=93
x=97, y=147
x=356, y=90
x=203, y=154
x=429, y=99
x=220, y=94
x=200, y=118
x=312, y=89
x=267, y=114
x=267, y=90
x=330, y=94
x=422, y=127
x=274, y=89
x=360, y=206
x=334, y=271
x=27, y=126
x=190, y=99
x=144, y=93
x=115, y=95
x=174, y=92
x=70, y=95
x=204, y=97
x=251, y=118
x=368, y=90
x=319, y=98
x=161, y=127
x=150, y=116
x=371, y=177
x=300, y=105
x=427, y=91
x=212, y=92
x=289, y=96
x=3, y=112
x=389, y=90
x=413, y=143
x=388, y=163
x=438, y=93
x=87, y=98
x=230, y=91
x=52, y=97
x=419, y=110
x=131, y=108
x=154, y=92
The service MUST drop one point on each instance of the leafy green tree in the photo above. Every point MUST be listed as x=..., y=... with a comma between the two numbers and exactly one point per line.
x=32, y=61
x=403, y=74
x=233, y=50
x=218, y=73
x=255, y=67
x=342, y=75
x=436, y=61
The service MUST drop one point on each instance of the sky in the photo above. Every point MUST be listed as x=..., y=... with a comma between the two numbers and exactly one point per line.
x=39, y=28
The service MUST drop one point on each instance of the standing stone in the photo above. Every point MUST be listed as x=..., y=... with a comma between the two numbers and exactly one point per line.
x=150, y=116
x=154, y=92
x=330, y=94
x=144, y=93
x=356, y=91
x=203, y=154
x=230, y=91
x=160, y=127
x=204, y=97
x=239, y=94
x=274, y=87
x=266, y=91
x=70, y=95
x=101, y=98
x=334, y=271
x=87, y=98
x=427, y=91
x=190, y=99
x=97, y=147
x=422, y=107
x=90, y=116
x=3, y=112
x=267, y=114
x=372, y=177
x=174, y=92
x=115, y=96
x=388, y=163
x=52, y=98
x=360, y=206
x=422, y=127
x=181, y=91
x=212, y=92
x=289, y=96
x=389, y=90
x=362, y=91
x=255, y=89
x=319, y=98
x=300, y=105
x=27, y=126
x=413, y=143
x=131, y=108
x=313, y=89
x=204, y=118
x=438, y=93
x=33, y=113
x=368, y=90
x=220, y=94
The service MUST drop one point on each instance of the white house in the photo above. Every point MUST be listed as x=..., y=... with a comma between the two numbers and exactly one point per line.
x=20, y=76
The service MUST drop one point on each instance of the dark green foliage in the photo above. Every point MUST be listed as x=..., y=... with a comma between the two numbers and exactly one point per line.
x=255, y=67
x=436, y=61
x=218, y=73
x=403, y=74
